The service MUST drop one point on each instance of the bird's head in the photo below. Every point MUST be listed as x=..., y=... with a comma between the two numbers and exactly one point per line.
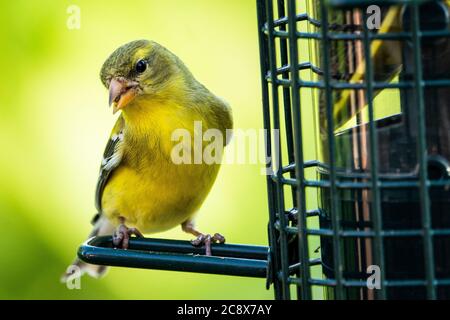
x=138, y=68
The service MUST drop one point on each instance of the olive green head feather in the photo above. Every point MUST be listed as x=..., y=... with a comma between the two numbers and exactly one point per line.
x=140, y=67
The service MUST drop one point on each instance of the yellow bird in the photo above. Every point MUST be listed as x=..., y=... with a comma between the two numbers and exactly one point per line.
x=140, y=189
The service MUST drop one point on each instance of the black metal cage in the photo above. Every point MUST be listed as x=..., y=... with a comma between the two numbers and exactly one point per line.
x=365, y=84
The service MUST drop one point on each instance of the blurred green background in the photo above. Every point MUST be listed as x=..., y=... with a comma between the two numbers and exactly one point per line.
x=54, y=123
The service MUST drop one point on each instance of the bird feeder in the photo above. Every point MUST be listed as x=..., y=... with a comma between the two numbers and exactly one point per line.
x=359, y=185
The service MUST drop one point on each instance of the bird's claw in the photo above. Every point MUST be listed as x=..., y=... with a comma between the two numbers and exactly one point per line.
x=207, y=239
x=121, y=236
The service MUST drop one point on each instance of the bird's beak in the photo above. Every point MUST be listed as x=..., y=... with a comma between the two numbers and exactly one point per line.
x=121, y=92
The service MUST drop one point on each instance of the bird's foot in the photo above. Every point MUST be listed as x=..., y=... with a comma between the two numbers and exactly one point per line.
x=207, y=239
x=121, y=236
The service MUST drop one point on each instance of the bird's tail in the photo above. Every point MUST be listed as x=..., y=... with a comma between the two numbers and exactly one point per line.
x=102, y=227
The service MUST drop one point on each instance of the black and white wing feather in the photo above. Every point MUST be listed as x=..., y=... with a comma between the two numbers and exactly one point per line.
x=112, y=157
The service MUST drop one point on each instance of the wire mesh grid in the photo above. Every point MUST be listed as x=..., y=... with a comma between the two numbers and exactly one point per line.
x=359, y=183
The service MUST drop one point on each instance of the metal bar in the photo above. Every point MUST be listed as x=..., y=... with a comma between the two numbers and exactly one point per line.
x=360, y=86
x=355, y=36
x=299, y=17
x=365, y=234
x=362, y=3
x=299, y=161
x=286, y=94
x=160, y=254
x=363, y=284
x=300, y=66
x=185, y=247
x=422, y=156
x=334, y=205
x=287, y=99
x=264, y=65
x=366, y=185
x=376, y=213
x=277, y=155
x=312, y=262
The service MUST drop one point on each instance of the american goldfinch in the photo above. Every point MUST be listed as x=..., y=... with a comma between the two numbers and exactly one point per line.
x=140, y=189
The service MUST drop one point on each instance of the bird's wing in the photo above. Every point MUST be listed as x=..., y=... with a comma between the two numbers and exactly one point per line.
x=112, y=157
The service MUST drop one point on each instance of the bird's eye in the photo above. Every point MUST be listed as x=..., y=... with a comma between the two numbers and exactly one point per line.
x=141, y=66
